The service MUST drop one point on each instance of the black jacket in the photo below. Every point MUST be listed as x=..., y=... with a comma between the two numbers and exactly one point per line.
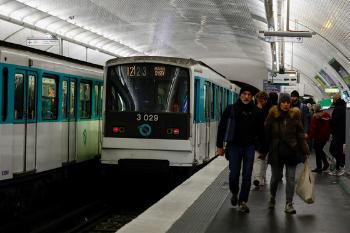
x=248, y=125
x=338, y=121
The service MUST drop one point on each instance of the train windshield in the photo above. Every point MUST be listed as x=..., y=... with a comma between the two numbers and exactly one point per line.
x=147, y=87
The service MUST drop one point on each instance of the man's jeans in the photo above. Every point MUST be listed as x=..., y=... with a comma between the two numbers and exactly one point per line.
x=236, y=155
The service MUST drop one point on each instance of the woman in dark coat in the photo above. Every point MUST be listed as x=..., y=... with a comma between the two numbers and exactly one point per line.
x=284, y=134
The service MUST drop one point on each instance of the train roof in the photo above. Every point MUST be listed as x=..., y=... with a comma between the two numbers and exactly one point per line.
x=53, y=55
x=177, y=60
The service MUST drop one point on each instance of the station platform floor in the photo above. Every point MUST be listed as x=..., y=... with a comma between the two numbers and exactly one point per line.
x=202, y=204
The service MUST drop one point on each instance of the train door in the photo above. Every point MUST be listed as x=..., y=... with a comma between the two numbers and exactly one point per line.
x=99, y=114
x=207, y=116
x=197, y=118
x=69, y=86
x=25, y=120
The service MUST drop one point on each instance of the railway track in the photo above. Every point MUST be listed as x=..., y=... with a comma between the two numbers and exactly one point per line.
x=96, y=207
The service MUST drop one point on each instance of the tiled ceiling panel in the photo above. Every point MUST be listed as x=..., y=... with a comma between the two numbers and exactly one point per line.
x=223, y=33
x=207, y=30
x=330, y=20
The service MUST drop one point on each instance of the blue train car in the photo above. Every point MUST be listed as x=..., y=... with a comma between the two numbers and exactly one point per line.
x=162, y=109
x=50, y=110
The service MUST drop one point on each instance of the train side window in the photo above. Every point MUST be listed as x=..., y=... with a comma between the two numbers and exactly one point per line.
x=19, y=96
x=85, y=100
x=72, y=99
x=65, y=99
x=49, y=98
x=225, y=98
x=100, y=100
x=31, y=96
x=4, y=92
x=218, y=102
x=212, y=98
x=96, y=100
x=197, y=116
x=207, y=100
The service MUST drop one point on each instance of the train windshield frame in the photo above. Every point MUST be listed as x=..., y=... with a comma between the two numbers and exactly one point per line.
x=148, y=87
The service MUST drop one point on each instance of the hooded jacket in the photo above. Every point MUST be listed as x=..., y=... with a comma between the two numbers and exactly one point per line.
x=285, y=125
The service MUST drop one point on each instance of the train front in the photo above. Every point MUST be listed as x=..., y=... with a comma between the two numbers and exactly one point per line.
x=147, y=115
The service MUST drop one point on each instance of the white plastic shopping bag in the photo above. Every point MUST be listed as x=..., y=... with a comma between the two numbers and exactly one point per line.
x=259, y=169
x=306, y=185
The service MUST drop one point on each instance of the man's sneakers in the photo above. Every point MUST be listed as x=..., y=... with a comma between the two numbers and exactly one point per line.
x=259, y=182
x=339, y=172
x=256, y=183
x=333, y=173
x=234, y=200
x=242, y=207
x=289, y=209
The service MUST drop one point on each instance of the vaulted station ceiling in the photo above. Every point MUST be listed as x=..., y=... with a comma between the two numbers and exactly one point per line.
x=222, y=33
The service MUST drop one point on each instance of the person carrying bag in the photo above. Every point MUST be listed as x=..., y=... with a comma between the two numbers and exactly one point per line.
x=286, y=143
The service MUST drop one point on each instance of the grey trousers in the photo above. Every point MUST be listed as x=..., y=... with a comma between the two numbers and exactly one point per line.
x=277, y=174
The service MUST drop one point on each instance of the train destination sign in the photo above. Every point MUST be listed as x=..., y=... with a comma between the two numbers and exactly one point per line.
x=136, y=71
x=143, y=71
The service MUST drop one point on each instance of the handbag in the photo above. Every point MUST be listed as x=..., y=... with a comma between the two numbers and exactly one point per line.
x=306, y=185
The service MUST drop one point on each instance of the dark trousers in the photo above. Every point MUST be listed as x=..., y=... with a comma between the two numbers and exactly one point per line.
x=320, y=155
x=336, y=150
x=237, y=154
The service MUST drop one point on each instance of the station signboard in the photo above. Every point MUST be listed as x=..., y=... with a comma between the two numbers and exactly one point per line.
x=41, y=42
x=283, y=79
x=268, y=87
x=284, y=39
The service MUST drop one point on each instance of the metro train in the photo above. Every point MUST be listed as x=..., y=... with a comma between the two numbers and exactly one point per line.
x=162, y=110
x=50, y=111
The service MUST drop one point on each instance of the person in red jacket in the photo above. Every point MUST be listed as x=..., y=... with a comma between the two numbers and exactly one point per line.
x=320, y=132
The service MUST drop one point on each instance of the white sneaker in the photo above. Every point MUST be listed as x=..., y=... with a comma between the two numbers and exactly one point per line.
x=289, y=209
x=340, y=172
x=333, y=173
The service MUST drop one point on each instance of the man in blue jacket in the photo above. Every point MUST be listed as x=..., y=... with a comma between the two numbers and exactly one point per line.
x=242, y=128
